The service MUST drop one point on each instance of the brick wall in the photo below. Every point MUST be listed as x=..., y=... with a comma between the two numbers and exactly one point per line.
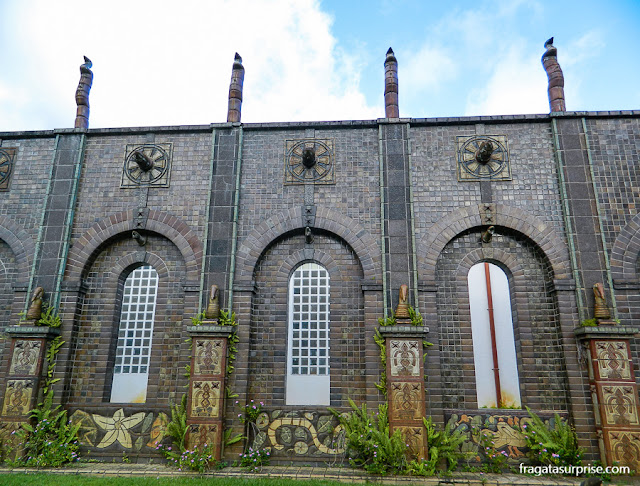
x=93, y=348
x=541, y=367
x=269, y=324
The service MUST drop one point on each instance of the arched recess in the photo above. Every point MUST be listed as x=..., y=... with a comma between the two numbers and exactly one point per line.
x=537, y=330
x=165, y=224
x=625, y=252
x=269, y=317
x=21, y=245
x=349, y=230
x=16, y=255
x=97, y=319
x=454, y=223
x=625, y=271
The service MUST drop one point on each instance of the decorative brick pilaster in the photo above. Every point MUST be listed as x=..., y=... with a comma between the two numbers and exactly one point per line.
x=614, y=391
x=405, y=383
x=26, y=368
x=205, y=405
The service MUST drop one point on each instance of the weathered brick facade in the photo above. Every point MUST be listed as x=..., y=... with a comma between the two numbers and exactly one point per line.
x=392, y=207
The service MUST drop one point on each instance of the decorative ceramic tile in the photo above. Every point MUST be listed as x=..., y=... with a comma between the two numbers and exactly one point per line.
x=208, y=356
x=88, y=430
x=405, y=401
x=414, y=438
x=158, y=430
x=7, y=157
x=117, y=428
x=404, y=357
x=309, y=161
x=502, y=428
x=620, y=405
x=148, y=164
x=613, y=360
x=205, y=398
x=624, y=447
x=8, y=436
x=311, y=434
x=483, y=158
x=202, y=435
x=25, y=357
x=17, y=398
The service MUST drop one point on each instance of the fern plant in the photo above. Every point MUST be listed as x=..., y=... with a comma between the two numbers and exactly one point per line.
x=444, y=445
x=52, y=441
x=177, y=427
x=49, y=317
x=369, y=443
x=553, y=444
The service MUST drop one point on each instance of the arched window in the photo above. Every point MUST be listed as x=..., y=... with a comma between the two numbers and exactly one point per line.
x=308, y=341
x=131, y=370
x=494, y=351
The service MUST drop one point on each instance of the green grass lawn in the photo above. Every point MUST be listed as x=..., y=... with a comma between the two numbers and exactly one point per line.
x=77, y=480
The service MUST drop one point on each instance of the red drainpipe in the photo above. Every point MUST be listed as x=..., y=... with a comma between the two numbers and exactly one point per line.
x=492, y=328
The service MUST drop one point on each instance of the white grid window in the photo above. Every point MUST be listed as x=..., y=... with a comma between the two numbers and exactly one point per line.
x=308, y=335
x=136, y=321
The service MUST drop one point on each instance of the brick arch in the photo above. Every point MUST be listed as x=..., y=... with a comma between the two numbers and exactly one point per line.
x=165, y=224
x=20, y=243
x=625, y=251
x=134, y=258
x=318, y=256
x=506, y=261
x=462, y=219
x=263, y=235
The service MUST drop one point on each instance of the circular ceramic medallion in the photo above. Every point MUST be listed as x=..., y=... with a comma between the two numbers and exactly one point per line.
x=478, y=163
x=156, y=155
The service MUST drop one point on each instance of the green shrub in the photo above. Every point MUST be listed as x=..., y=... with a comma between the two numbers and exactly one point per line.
x=254, y=459
x=52, y=441
x=369, y=444
x=554, y=444
x=496, y=460
x=444, y=444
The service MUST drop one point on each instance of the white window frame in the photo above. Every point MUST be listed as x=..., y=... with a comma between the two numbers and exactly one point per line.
x=308, y=371
x=135, y=336
x=505, y=340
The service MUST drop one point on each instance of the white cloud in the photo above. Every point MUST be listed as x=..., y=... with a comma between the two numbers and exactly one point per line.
x=159, y=63
x=517, y=85
x=427, y=69
x=588, y=46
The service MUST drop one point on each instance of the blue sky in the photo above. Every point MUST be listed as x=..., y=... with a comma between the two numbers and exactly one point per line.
x=164, y=63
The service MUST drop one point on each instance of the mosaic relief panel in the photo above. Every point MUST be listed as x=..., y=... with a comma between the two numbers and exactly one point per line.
x=406, y=401
x=25, y=357
x=8, y=438
x=613, y=360
x=625, y=448
x=148, y=164
x=620, y=405
x=201, y=435
x=205, y=398
x=7, y=157
x=503, y=429
x=405, y=357
x=208, y=356
x=414, y=438
x=17, y=398
x=136, y=432
x=299, y=434
x=301, y=167
x=483, y=158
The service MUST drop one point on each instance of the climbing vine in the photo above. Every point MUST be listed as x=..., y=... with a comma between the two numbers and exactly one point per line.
x=416, y=320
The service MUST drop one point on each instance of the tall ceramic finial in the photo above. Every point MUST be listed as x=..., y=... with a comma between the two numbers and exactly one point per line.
x=235, y=90
x=556, y=78
x=82, y=94
x=391, y=109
